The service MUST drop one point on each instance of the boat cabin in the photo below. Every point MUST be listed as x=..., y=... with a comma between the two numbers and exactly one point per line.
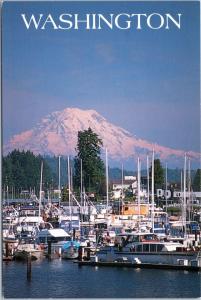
x=129, y=238
x=54, y=235
x=156, y=247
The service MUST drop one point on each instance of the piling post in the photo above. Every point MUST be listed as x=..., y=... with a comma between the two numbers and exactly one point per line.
x=73, y=234
x=29, y=266
x=49, y=250
x=7, y=251
x=196, y=235
x=196, y=238
x=88, y=251
x=80, y=253
x=96, y=236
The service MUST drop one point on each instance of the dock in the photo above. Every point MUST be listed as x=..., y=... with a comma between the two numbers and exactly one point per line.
x=137, y=265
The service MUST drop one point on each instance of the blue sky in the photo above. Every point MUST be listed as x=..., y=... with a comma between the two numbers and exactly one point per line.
x=144, y=81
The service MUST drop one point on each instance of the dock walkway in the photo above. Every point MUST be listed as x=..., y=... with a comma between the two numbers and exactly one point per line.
x=137, y=265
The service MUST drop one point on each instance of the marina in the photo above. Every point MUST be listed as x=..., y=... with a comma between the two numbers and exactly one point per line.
x=92, y=241
x=107, y=255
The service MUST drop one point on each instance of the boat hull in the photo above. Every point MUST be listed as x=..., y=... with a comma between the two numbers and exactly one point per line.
x=23, y=255
x=176, y=258
x=70, y=254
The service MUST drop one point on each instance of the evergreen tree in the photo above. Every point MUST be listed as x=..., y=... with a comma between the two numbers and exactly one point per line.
x=64, y=194
x=89, y=150
x=21, y=170
x=197, y=181
x=7, y=176
x=158, y=174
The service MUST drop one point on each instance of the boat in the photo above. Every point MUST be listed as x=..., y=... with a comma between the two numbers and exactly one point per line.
x=56, y=237
x=147, y=248
x=70, y=250
x=10, y=244
x=23, y=250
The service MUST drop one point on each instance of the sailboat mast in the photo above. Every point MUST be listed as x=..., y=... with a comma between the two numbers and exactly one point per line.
x=184, y=198
x=69, y=187
x=59, y=187
x=181, y=180
x=41, y=182
x=7, y=196
x=71, y=179
x=148, y=178
x=138, y=186
x=152, y=192
x=81, y=188
x=189, y=189
x=107, y=189
x=122, y=187
x=166, y=191
x=81, y=195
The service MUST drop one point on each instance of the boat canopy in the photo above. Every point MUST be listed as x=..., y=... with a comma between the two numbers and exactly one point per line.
x=55, y=232
x=70, y=244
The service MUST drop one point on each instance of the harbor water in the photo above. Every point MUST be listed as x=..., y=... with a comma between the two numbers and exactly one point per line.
x=65, y=279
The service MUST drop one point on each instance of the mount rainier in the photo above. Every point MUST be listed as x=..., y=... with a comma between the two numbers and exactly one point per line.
x=56, y=134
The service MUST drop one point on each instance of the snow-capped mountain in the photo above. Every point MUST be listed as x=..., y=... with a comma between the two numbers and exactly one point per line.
x=56, y=134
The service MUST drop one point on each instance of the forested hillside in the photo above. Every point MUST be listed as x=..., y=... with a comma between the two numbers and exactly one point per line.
x=21, y=170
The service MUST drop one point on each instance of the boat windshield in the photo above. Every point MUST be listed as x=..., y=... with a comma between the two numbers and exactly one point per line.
x=148, y=247
x=53, y=239
x=143, y=237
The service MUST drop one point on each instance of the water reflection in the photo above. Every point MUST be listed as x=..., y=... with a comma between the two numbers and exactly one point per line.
x=64, y=279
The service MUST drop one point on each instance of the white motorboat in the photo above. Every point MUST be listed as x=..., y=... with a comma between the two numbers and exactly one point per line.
x=147, y=248
x=23, y=250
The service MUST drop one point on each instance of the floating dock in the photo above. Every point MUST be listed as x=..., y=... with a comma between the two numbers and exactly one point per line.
x=137, y=265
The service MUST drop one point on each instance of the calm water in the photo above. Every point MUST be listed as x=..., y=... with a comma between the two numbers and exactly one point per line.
x=63, y=279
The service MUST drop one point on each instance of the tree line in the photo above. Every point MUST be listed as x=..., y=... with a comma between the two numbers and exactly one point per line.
x=21, y=169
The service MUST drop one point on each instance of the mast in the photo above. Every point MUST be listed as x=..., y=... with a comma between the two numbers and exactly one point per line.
x=181, y=195
x=184, y=198
x=148, y=178
x=122, y=187
x=189, y=189
x=69, y=187
x=59, y=187
x=7, y=195
x=106, y=169
x=152, y=192
x=138, y=187
x=4, y=194
x=48, y=196
x=166, y=191
x=181, y=182
x=12, y=191
x=41, y=182
x=71, y=179
x=81, y=188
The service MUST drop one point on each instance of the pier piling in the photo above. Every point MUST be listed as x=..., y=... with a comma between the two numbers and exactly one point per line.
x=88, y=251
x=80, y=253
x=7, y=250
x=29, y=266
x=49, y=250
x=73, y=234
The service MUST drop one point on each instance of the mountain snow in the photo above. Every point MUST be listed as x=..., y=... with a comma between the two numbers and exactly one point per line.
x=56, y=134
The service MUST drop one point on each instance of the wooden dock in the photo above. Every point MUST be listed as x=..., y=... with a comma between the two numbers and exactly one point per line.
x=137, y=265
